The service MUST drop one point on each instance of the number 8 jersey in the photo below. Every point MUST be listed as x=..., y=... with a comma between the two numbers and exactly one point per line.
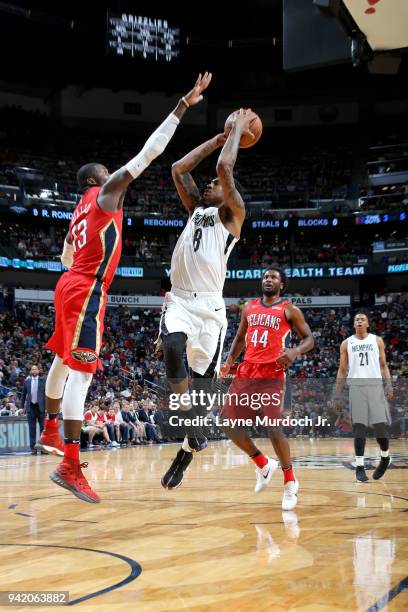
x=199, y=261
x=268, y=331
x=363, y=357
x=96, y=236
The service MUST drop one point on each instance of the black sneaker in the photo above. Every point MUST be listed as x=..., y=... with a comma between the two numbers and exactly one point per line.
x=174, y=475
x=381, y=467
x=361, y=476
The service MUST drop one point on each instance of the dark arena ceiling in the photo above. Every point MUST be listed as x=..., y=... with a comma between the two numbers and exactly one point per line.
x=48, y=44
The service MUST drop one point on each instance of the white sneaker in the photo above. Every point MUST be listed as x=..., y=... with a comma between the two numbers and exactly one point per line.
x=264, y=475
x=113, y=443
x=290, y=491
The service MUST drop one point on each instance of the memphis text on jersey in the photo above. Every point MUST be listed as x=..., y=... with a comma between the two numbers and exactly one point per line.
x=356, y=348
x=204, y=220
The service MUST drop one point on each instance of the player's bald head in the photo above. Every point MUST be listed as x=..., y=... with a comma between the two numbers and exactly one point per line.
x=91, y=175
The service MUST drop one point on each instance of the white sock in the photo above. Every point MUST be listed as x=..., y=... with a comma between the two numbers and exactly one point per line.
x=359, y=461
x=385, y=453
x=185, y=446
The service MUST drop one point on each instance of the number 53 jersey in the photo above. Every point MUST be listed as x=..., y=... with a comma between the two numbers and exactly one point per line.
x=96, y=236
x=268, y=331
x=199, y=261
x=81, y=293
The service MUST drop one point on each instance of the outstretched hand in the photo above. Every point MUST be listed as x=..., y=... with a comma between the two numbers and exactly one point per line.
x=195, y=95
x=243, y=119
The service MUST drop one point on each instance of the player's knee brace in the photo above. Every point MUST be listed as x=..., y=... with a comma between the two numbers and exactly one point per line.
x=359, y=430
x=173, y=347
x=202, y=384
x=380, y=430
x=73, y=401
x=57, y=376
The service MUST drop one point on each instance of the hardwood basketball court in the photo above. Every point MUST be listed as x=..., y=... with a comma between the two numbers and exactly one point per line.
x=212, y=544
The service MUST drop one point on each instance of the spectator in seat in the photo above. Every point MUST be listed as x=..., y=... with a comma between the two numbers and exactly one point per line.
x=96, y=427
x=140, y=427
x=124, y=427
x=102, y=418
x=151, y=430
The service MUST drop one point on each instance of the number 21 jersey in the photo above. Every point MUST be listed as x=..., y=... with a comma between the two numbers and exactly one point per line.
x=363, y=357
x=199, y=261
x=96, y=236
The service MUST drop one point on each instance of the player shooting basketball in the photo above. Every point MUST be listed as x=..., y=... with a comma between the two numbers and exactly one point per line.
x=194, y=318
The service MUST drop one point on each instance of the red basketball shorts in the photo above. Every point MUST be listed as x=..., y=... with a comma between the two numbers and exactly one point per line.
x=80, y=303
x=257, y=390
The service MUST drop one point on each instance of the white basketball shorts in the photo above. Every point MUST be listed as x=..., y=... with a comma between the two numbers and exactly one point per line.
x=202, y=317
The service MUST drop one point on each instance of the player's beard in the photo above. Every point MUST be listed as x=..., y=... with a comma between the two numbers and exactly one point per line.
x=270, y=292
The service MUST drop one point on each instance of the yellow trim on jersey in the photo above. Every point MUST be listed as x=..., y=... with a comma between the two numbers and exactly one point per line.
x=98, y=323
x=284, y=339
x=102, y=236
x=80, y=321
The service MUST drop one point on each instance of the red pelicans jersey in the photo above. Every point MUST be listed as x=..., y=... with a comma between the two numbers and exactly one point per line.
x=268, y=331
x=96, y=236
x=81, y=293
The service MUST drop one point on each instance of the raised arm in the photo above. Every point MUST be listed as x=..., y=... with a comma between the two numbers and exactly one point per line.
x=232, y=213
x=111, y=195
x=237, y=344
x=181, y=171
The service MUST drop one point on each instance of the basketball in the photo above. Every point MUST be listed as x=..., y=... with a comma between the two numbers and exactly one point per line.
x=255, y=127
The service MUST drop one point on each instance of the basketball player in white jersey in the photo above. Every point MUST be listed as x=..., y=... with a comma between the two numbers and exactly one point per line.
x=363, y=354
x=194, y=318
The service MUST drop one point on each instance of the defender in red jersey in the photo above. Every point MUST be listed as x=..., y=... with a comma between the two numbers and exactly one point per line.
x=81, y=293
x=265, y=331
x=92, y=251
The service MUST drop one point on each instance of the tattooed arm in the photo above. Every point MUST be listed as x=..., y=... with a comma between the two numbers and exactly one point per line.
x=232, y=213
x=181, y=171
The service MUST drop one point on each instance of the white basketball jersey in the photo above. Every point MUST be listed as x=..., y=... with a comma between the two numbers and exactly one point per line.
x=363, y=357
x=199, y=261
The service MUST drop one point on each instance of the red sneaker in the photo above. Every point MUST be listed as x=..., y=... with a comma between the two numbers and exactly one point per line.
x=69, y=476
x=51, y=442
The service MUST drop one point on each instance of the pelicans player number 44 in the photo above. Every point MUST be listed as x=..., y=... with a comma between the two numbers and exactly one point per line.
x=265, y=332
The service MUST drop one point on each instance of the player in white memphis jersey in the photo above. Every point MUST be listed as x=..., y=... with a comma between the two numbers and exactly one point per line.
x=194, y=318
x=363, y=355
